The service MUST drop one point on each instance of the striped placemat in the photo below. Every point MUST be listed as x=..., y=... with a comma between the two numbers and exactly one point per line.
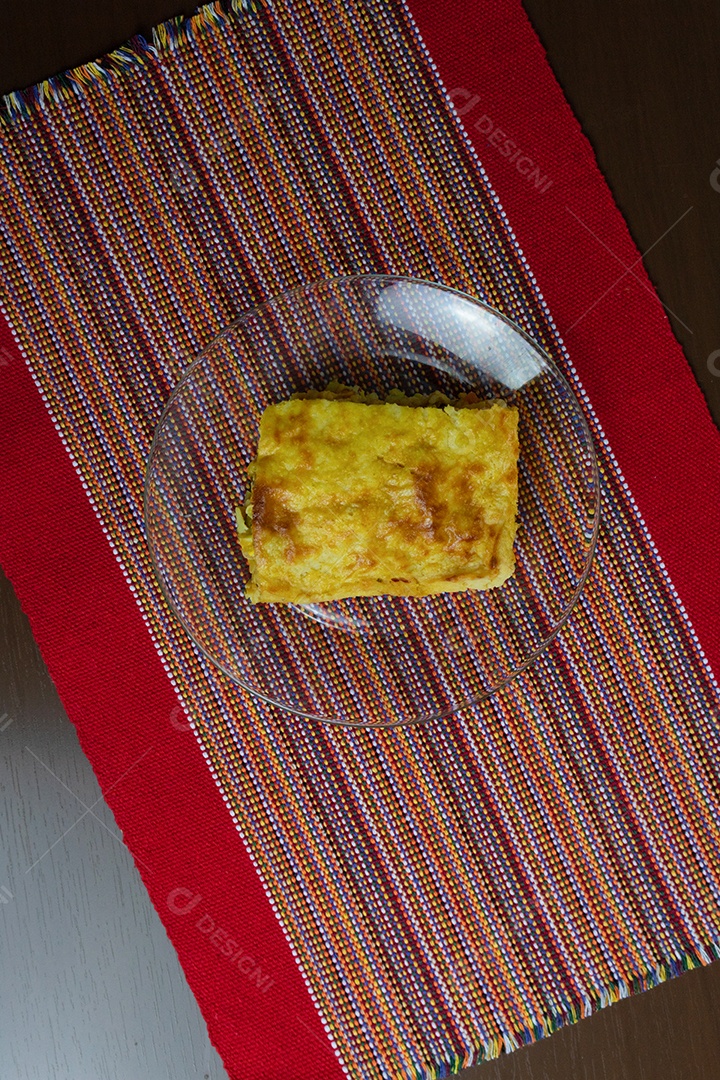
x=453, y=890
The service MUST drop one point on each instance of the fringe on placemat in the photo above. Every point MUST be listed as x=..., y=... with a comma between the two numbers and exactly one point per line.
x=562, y=1014
x=166, y=38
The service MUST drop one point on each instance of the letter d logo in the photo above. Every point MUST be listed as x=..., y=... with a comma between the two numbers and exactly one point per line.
x=182, y=901
x=715, y=177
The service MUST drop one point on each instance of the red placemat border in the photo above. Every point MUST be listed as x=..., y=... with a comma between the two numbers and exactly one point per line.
x=572, y=234
x=148, y=763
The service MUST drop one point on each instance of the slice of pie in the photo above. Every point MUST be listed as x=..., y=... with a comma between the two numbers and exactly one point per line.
x=354, y=496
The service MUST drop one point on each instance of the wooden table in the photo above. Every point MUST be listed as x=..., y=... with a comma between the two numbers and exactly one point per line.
x=91, y=986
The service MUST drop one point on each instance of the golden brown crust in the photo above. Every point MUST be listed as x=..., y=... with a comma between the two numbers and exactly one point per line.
x=358, y=498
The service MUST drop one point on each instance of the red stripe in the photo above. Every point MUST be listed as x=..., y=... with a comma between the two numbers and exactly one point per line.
x=114, y=688
x=633, y=369
x=94, y=641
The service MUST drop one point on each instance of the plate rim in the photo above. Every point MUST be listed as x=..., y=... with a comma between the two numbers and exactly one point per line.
x=470, y=701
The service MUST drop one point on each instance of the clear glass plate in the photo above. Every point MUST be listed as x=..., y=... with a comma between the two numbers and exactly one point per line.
x=378, y=661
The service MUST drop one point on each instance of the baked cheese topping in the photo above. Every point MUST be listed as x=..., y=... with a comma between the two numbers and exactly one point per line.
x=351, y=498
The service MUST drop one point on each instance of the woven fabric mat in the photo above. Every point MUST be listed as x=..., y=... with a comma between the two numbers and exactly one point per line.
x=449, y=891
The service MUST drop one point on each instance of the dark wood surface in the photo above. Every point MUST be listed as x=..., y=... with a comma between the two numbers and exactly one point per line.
x=644, y=80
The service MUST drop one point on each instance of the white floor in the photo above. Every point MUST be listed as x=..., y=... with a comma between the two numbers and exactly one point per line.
x=90, y=986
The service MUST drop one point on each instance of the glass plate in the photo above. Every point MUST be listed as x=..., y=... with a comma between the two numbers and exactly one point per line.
x=377, y=661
